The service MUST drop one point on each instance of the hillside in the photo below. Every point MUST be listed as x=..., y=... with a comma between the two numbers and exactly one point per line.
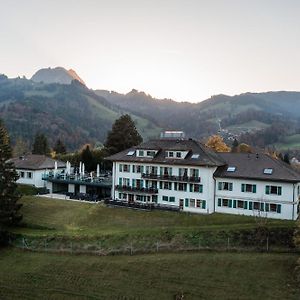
x=231, y=116
x=56, y=75
x=72, y=112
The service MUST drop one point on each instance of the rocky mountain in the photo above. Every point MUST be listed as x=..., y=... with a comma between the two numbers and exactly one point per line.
x=56, y=75
x=71, y=112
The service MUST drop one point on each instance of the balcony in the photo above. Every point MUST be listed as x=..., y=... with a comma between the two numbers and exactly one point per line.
x=136, y=189
x=171, y=178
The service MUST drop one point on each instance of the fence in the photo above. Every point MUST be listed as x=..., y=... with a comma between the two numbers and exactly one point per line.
x=169, y=243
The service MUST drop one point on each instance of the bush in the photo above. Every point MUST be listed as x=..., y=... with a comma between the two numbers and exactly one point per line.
x=27, y=190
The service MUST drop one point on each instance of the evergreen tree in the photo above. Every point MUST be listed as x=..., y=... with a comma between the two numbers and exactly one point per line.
x=8, y=176
x=60, y=147
x=88, y=159
x=235, y=145
x=286, y=158
x=122, y=136
x=40, y=145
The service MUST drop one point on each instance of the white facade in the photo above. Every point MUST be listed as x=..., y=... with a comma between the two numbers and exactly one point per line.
x=33, y=177
x=273, y=199
x=178, y=193
x=280, y=200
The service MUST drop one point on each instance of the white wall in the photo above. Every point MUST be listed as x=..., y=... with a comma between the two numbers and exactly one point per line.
x=288, y=199
x=36, y=179
x=205, y=173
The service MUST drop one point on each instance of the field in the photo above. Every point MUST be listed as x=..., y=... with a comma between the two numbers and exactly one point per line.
x=289, y=142
x=44, y=216
x=26, y=275
x=164, y=275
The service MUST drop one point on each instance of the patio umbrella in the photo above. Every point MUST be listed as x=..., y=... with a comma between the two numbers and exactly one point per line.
x=98, y=170
x=80, y=168
x=83, y=168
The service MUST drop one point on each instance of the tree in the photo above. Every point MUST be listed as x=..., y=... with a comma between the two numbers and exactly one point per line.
x=216, y=143
x=87, y=158
x=20, y=148
x=244, y=148
x=235, y=145
x=60, y=147
x=40, y=145
x=9, y=196
x=286, y=158
x=122, y=136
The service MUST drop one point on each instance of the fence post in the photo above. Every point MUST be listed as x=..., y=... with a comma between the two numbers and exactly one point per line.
x=157, y=246
x=267, y=244
x=46, y=245
x=199, y=244
x=228, y=243
x=131, y=249
x=71, y=247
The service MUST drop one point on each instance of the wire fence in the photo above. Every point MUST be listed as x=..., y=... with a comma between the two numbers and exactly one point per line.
x=113, y=247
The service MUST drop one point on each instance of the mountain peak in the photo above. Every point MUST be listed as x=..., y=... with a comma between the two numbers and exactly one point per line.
x=56, y=75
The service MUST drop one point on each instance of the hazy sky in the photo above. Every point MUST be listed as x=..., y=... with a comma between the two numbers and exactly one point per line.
x=185, y=50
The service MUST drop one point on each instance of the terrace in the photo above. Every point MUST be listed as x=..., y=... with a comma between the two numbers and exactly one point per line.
x=171, y=178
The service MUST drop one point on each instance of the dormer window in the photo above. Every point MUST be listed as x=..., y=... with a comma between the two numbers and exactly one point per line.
x=130, y=153
x=178, y=154
x=195, y=156
x=141, y=152
x=231, y=169
x=268, y=171
x=151, y=153
x=170, y=154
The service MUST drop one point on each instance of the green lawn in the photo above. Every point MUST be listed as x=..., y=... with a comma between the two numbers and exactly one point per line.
x=26, y=275
x=53, y=217
x=289, y=142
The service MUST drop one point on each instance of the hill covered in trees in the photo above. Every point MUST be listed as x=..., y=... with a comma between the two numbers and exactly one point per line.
x=70, y=112
x=243, y=115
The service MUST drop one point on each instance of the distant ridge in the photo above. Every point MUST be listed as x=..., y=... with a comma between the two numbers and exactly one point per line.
x=56, y=75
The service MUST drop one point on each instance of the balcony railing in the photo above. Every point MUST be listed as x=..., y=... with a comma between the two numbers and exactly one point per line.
x=171, y=178
x=136, y=189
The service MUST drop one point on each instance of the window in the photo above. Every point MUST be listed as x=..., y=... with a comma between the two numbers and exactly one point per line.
x=195, y=156
x=150, y=153
x=268, y=171
x=194, y=173
x=192, y=202
x=22, y=174
x=170, y=154
x=126, y=168
x=273, y=190
x=154, y=170
x=141, y=152
x=240, y=204
x=130, y=153
x=29, y=175
x=196, y=188
x=183, y=172
x=139, y=169
x=182, y=187
x=171, y=199
x=231, y=169
x=225, y=186
x=168, y=199
x=198, y=203
x=249, y=188
x=154, y=198
x=167, y=185
x=178, y=154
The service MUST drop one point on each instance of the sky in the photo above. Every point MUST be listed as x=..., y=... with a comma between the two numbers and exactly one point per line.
x=186, y=50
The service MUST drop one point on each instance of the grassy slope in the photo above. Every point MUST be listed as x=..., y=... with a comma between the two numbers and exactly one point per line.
x=289, y=142
x=25, y=275
x=83, y=219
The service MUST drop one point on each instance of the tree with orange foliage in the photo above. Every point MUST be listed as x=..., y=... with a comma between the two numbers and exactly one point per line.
x=216, y=143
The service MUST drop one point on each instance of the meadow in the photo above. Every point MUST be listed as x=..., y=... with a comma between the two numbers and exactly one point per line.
x=204, y=274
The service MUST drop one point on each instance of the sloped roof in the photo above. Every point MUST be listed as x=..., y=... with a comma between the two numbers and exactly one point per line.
x=251, y=166
x=206, y=156
x=36, y=162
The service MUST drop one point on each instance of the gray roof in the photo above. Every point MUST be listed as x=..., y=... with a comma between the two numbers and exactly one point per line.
x=251, y=166
x=36, y=162
x=206, y=156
